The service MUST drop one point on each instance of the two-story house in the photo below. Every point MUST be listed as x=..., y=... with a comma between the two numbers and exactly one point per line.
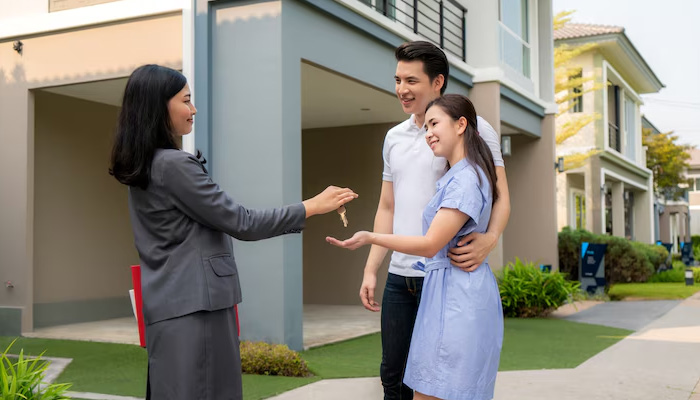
x=292, y=95
x=671, y=213
x=694, y=191
x=613, y=192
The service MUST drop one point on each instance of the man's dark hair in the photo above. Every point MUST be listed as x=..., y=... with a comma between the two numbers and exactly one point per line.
x=433, y=58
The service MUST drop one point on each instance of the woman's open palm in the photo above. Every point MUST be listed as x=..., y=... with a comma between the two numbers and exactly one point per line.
x=359, y=239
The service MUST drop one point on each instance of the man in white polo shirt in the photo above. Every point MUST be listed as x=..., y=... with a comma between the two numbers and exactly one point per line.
x=410, y=174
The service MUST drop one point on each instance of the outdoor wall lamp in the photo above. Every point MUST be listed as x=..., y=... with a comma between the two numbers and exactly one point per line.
x=17, y=46
x=505, y=145
x=559, y=165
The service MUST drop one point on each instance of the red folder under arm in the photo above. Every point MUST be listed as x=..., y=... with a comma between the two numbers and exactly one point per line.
x=136, y=279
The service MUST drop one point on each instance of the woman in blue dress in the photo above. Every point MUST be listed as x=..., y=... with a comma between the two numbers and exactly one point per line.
x=457, y=337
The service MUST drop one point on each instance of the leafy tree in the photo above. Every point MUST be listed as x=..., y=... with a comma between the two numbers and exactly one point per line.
x=569, y=85
x=668, y=161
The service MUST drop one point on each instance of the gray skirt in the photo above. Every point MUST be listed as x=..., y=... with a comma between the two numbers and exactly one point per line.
x=194, y=357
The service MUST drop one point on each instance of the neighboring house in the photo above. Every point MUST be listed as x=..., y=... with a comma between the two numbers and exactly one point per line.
x=292, y=95
x=694, y=191
x=613, y=192
x=671, y=216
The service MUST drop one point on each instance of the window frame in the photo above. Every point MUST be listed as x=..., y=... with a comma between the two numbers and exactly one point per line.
x=573, y=218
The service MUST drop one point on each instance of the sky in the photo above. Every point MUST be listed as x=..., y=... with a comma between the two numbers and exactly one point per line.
x=667, y=35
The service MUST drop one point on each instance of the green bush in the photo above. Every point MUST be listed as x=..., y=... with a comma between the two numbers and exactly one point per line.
x=528, y=292
x=676, y=274
x=271, y=359
x=625, y=261
x=695, y=239
x=20, y=378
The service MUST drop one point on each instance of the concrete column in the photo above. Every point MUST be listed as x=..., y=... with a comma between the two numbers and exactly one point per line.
x=486, y=98
x=257, y=159
x=618, y=209
x=643, y=215
x=532, y=230
x=665, y=227
x=596, y=209
x=17, y=193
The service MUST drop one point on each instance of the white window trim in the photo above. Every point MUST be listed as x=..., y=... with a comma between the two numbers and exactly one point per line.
x=534, y=49
x=625, y=90
x=693, y=177
x=572, y=200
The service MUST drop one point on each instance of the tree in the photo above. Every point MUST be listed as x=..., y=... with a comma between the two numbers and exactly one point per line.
x=569, y=86
x=668, y=161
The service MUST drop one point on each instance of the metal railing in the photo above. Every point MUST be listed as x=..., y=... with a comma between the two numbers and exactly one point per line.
x=443, y=22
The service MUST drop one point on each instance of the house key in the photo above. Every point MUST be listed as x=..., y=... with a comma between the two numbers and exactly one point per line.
x=343, y=218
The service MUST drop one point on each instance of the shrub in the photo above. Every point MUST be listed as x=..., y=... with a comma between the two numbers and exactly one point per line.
x=21, y=378
x=695, y=239
x=669, y=275
x=271, y=359
x=528, y=292
x=696, y=274
x=656, y=254
x=625, y=261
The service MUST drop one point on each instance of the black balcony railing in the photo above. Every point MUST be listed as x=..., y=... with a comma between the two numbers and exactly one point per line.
x=443, y=22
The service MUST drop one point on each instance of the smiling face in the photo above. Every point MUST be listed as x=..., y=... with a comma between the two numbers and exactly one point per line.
x=445, y=136
x=181, y=112
x=415, y=89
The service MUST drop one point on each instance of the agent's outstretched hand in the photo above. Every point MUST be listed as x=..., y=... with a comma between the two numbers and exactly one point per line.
x=329, y=200
x=359, y=239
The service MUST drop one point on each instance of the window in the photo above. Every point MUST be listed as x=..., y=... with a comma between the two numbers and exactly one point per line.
x=614, y=116
x=515, y=35
x=386, y=7
x=695, y=185
x=579, y=211
x=577, y=101
x=630, y=128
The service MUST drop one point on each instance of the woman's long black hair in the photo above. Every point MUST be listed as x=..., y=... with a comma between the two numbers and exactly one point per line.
x=144, y=123
x=475, y=148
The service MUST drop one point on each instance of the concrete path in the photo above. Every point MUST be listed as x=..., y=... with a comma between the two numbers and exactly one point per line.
x=632, y=315
x=659, y=362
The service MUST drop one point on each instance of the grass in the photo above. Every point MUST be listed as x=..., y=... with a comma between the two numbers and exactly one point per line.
x=536, y=343
x=121, y=369
x=359, y=357
x=653, y=291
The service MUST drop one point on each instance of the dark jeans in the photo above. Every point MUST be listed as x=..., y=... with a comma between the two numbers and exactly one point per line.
x=399, y=308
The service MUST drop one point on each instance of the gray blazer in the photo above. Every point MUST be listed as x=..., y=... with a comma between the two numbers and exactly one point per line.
x=183, y=223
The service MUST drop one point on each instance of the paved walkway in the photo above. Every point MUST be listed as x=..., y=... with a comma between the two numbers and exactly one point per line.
x=323, y=324
x=661, y=361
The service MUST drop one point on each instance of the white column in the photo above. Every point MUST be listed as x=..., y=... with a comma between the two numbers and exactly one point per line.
x=618, y=209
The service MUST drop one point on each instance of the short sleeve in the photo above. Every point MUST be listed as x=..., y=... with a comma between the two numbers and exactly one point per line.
x=386, y=174
x=464, y=194
x=490, y=136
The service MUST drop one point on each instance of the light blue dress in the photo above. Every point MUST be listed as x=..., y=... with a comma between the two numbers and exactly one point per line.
x=457, y=338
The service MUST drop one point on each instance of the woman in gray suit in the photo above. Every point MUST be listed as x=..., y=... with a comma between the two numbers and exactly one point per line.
x=183, y=223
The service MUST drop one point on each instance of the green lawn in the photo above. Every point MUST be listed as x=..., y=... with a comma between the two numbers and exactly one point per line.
x=655, y=291
x=121, y=369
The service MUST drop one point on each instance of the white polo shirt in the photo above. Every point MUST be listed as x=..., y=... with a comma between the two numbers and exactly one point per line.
x=414, y=170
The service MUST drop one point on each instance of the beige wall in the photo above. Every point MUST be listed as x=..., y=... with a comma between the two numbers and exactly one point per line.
x=532, y=230
x=83, y=244
x=487, y=102
x=70, y=56
x=350, y=157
